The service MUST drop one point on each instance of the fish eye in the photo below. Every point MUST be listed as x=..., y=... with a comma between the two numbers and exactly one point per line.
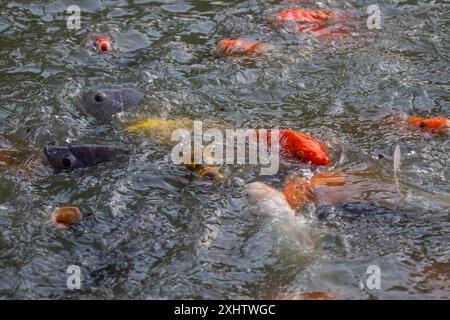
x=299, y=156
x=66, y=162
x=98, y=97
x=422, y=125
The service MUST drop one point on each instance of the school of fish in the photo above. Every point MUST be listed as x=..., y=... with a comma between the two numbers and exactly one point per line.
x=104, y=104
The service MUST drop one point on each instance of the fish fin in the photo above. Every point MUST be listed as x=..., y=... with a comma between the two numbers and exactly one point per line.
x=397, y=159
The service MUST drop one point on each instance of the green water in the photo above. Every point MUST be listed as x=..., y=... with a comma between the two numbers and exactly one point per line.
x=150, y=230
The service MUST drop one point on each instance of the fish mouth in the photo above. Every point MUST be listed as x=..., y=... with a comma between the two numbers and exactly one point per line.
x=44, y=155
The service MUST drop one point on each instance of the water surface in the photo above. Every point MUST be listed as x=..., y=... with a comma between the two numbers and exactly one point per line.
x=150, y=230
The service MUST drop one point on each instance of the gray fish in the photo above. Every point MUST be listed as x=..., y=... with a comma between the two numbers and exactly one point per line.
x=74, y=156
x=103, y=104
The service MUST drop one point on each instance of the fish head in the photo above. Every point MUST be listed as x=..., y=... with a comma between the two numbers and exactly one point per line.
x=265, y=200
x=256, y=191
x=67, y=157
x=306, y=149
x=103, y=104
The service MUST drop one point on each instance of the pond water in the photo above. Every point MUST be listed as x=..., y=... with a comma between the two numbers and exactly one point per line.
x=150, y=229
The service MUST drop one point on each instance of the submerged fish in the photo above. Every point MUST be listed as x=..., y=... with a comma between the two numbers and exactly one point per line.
x=432, y=124
x=81, y=156
x=22, y=159
x=305, y=296
x=354, y=210
x=299, y=190
x=103, y=104
x=10, y=157
x=304, y=16
x=161, y=129
x=316, y=22
x=240, y=47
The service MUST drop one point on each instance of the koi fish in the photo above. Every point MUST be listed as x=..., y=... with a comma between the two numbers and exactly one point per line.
x=299, y=190
x=316, y=22
x=240, y=47
x=75, y=156
x=102, y=44
x=269, y=202
x=432, y=124
x=304, y=16
x=302, y=147
x=65, y=216
x=265, y=200
x=162, y=130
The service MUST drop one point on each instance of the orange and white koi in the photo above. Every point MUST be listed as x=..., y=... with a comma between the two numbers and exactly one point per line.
x=299, y=190
x=266, y=200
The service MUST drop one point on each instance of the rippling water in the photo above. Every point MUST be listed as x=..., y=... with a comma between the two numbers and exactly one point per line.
x=149, y=228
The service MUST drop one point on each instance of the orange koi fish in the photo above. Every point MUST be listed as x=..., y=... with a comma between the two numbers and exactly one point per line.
x=66, y=216
x=299, y=146
x=299, y=190
x=240, y=47
x=432, y=124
